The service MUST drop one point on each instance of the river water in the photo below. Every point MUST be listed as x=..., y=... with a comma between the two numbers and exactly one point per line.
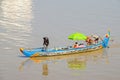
x=23, y=23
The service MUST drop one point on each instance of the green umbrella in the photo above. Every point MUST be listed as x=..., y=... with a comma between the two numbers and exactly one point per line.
x=77, y=36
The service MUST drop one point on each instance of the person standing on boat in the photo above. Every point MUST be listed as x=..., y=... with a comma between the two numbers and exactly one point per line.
x=45, y=42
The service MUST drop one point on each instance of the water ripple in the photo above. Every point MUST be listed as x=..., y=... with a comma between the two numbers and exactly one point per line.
x=15, y=22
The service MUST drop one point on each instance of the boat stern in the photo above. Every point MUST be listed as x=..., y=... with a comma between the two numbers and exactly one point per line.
x=105, y=41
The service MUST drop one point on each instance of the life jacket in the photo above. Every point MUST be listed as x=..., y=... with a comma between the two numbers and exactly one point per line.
x=75, y=46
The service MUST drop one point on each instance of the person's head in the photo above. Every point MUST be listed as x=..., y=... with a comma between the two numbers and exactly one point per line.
x=45, y=38
x=76, y=43
x=107, y=35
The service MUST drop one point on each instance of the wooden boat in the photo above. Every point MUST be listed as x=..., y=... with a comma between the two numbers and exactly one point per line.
x=66, y=50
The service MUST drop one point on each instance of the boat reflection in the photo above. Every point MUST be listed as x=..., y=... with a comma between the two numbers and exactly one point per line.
x=45, y=69
x=74, y=61
x=77, y=64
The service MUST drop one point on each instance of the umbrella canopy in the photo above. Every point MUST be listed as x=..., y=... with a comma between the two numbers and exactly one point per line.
x=77, y=36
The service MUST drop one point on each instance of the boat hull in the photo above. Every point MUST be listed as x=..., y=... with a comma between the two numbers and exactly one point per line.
x=54, y=52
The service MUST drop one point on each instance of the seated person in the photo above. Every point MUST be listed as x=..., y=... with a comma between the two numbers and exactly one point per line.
x=75, y=45
x=89, y=41
x=96, y=38
x=81, y=45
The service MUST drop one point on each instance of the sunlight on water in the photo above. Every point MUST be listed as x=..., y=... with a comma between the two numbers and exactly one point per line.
x=15, y=21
